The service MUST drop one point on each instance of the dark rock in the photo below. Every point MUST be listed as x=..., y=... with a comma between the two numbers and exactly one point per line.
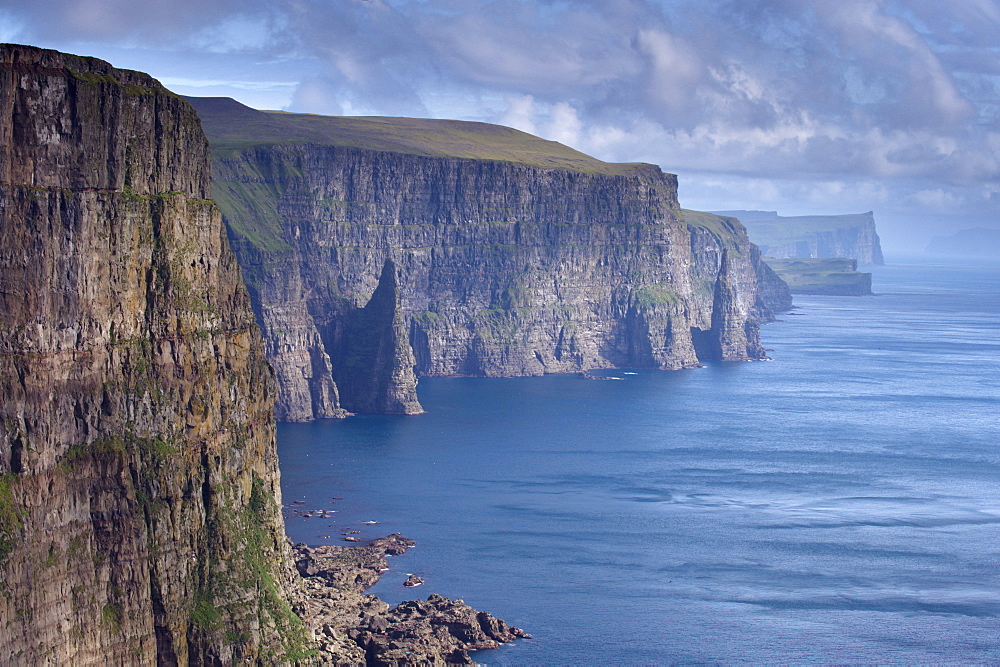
x=351, y=627
x=421, y=631
x=413, y=580
x=356, y=568
x=137, y=448
x=394, y=544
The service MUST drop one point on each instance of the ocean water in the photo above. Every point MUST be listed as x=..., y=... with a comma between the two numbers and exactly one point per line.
x=839, y=504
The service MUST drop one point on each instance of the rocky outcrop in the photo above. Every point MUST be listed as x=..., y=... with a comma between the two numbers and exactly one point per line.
x=819, y=236
x=745, y=291
x=509, y=256
x=352, y=628
x=139, y=521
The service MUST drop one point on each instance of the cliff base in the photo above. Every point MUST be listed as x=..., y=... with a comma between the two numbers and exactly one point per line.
x=350, y=627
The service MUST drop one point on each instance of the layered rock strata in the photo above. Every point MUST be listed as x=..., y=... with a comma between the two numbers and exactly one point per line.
x=490, y=252
x=139, y=502
x=139, y=521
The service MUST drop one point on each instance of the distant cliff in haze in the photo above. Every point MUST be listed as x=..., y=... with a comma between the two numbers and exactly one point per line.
x=834, y=276
x=852, y=236
x=977, y=242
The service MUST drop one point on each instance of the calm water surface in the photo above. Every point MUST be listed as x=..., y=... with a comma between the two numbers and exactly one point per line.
x=838, y=504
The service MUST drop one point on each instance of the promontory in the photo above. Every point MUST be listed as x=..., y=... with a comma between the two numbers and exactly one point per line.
x=377, y=250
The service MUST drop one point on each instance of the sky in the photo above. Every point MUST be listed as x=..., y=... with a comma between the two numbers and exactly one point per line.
x=797, y=106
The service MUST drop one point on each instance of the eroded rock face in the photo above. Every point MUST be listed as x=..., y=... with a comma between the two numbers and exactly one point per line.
x=139, y=519
x=500, y=268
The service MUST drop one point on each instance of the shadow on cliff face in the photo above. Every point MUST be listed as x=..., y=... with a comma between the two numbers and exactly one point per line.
x=371, y=354
x=706, y=344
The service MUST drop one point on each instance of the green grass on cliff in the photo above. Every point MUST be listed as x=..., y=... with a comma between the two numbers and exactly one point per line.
x=828, y=275
x=232, y=128
x=251, y=211
x=11, y=515
x=722, y=227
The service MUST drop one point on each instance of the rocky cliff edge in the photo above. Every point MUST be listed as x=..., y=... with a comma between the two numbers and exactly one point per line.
x=139, y=519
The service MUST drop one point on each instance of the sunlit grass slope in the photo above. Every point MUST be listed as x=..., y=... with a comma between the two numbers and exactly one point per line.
x=720, y=225
x=233, y=127
x=830, y=275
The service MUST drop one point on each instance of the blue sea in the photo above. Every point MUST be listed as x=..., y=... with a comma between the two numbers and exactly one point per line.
x=839, y=504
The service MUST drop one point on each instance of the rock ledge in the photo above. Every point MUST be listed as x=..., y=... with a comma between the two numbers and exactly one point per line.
x=351, y=627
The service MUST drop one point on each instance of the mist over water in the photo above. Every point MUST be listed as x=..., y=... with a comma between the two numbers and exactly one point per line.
x=838, y=504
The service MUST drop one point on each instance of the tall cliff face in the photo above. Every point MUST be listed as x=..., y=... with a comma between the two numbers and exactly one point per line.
x=819, y=236
x=139, y=519
x=509, y=255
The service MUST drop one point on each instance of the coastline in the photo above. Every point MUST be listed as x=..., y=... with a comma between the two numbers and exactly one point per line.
x=348, y=625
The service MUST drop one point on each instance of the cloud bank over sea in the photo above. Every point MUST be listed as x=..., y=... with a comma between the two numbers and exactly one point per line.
x=804, y=106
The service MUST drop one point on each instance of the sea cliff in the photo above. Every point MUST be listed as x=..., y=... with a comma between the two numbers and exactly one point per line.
x=978, y=242
x=378, y=250
x=140, y=515
x=836, y=276
x=851, y=236
x=139, y=511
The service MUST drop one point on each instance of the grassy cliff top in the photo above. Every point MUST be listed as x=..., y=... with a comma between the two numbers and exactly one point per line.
x=720, y=225
x=232, y=127
x=828, y=275
x=769, y=229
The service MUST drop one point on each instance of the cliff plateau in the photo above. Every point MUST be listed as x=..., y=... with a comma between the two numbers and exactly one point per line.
x=380, y=249
x=835, y=276
x=139, y=513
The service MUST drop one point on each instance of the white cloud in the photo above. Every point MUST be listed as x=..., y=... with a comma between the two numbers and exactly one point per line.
x=520, y=113
x=939, y=199
x=676, y=70
x=812, y=102
x=174, y=82
x=314, y=95
x=565, y=125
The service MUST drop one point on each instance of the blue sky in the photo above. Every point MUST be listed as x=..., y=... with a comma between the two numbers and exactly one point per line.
x=799, y=106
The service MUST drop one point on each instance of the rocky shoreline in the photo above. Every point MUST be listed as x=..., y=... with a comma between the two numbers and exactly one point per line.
x=351, y=627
